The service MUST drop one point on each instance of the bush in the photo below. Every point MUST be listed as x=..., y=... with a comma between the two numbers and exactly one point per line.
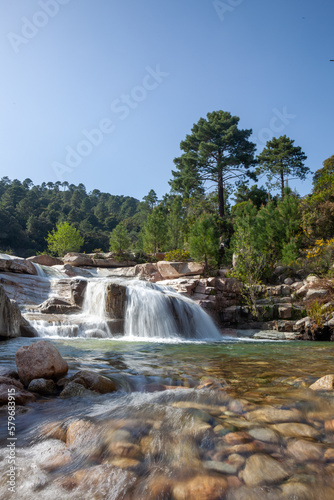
x=177, y=255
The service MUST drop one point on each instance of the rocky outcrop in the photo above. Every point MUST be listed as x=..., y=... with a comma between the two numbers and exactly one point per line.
x=54, y=305
x=10, y=317
x=77, y=259
x=115, y=301
x=95, y=260
x=161, y=270
x=170, y=270
x=45, y=260
x=39, y=360
x=78, y=288
x=12, y=324
x=16, y=265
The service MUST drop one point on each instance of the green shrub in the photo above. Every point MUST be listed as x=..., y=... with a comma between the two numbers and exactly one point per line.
x=177, y=255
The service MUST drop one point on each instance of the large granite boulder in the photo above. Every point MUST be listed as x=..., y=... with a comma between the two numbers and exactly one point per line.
x=78, y=259
x=45, y=260
x=39, y=360
x=16, y=265
x=170, y=270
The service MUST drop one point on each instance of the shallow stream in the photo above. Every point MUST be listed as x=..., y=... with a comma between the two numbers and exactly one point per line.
x=190, y=420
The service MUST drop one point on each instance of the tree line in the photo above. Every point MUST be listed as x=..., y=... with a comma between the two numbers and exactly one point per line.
x=215, y=206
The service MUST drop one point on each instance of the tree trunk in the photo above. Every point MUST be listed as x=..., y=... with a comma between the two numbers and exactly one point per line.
x=221, y=204
x=282, y=183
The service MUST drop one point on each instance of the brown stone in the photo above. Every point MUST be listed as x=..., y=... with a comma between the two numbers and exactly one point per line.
x=93, y=381
x=293, y=429
x=10, y=316
x=263, y=469
x=305, y=451
x=171, y=270
x=115, y=300
x=45, y=260
x=77, y=259
x=274, y=415
x=325, y=383
x=79, y=432
x=54, y=430
x=201, y=487
x=17, y=265
x=233, y=438
x=39, y=360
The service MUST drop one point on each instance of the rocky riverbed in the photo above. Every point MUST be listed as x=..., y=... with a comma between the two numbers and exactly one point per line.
x=141, y=421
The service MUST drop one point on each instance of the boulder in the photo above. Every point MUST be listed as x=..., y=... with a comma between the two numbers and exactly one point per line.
x=43, y=386
x=203, y=486
x=171, y=270
x=45, y=260
x=55, y=305
x=10, y=316
x=78, y=288
x=39, y=360
x=17, y=265
x=115, y=300
x=93, y=381
x=78, y=259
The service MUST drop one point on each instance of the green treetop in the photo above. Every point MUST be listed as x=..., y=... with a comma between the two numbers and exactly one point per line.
x=66, y=238
x=279, y=160
x=216, y=151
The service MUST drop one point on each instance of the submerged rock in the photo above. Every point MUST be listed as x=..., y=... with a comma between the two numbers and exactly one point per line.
x=263, y=469
x=92, y=381
x=39, y=360
x=43, y=386
x=203, y=487
x=325, y=383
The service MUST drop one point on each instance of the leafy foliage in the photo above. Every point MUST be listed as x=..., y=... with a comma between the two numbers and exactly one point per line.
x=204, y=240
x=119, y=239
x=66, y=238
x=280, y=159
x=216, y=151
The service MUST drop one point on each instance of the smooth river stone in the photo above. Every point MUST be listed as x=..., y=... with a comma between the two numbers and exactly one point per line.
x=305, y=451
x=271, y=415
x=325, y=383
x=329, y=425
x=264, y=434
x=296, y=430
x=262, y=469
x=233, y=438
x=246, y=493
x=201, y=487
x=329, y=455
x=222, y=467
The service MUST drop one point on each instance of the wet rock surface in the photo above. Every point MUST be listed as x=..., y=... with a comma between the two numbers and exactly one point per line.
x=39, y=360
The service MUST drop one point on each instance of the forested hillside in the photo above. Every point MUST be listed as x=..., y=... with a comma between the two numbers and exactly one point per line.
x=28, y=213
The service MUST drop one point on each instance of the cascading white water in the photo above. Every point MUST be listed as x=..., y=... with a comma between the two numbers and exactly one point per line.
x=152, y=311
x=158, y=311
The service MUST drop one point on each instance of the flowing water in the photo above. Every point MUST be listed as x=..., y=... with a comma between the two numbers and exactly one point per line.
x=191, y=418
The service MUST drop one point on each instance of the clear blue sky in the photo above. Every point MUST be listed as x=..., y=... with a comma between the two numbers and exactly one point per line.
x=145, y=71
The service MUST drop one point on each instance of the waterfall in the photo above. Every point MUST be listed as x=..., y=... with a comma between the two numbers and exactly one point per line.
x=150, y=311
x=158, y=311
